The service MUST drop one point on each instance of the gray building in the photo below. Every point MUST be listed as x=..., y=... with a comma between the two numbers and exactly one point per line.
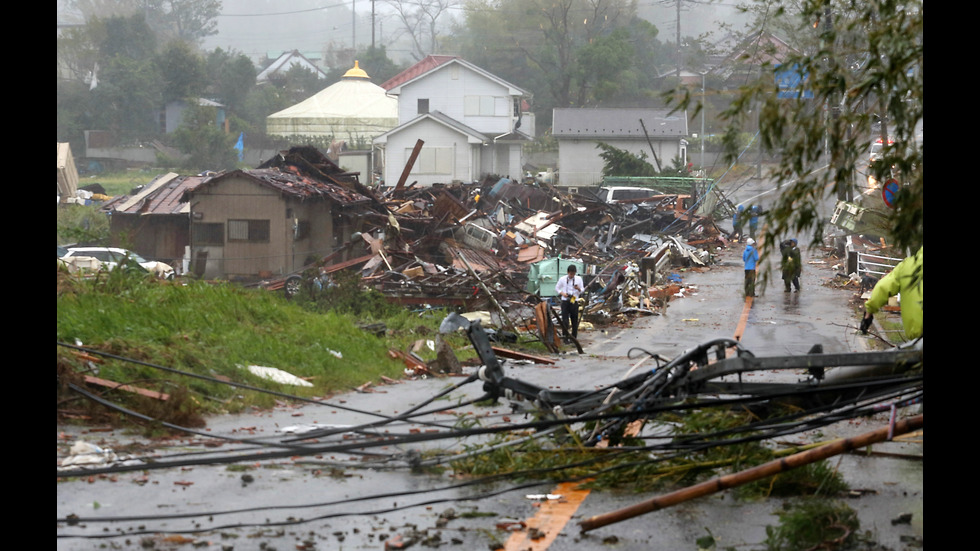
x=579, y=130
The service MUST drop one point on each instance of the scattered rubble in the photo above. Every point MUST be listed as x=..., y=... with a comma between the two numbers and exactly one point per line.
x=483, y=247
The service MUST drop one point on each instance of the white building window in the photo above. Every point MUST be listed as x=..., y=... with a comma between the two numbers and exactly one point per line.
x=433, y=160
x=480, y=106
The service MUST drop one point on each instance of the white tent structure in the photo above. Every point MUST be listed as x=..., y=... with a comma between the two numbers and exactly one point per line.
x=353, y=109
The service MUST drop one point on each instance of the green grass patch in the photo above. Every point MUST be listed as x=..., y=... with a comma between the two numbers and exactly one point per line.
x=814, y=524
x=212, y=330
x=122, y=182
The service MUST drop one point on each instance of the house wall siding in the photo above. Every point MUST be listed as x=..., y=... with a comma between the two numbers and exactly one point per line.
x=447, y=95
x=243, y=199
x=400, y=145
x=579, y=163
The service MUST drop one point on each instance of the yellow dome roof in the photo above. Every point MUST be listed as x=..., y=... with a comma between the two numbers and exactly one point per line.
x=356, y=72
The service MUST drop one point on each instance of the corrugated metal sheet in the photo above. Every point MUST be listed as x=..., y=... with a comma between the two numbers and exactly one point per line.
x=164, y=195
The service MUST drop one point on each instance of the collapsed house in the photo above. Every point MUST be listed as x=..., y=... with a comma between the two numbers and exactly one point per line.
x=499, y=246
x=496, y=245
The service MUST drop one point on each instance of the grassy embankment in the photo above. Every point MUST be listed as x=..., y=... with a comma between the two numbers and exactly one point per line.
x=210, y=330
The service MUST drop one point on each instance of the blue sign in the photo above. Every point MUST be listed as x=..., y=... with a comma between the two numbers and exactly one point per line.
x=889, y=191
x=790, y=81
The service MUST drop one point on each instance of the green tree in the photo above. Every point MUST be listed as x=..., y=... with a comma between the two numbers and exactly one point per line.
x=866, y=61
x=185, y=20
x=261, y=102
x=130, y=37
x=207, y=145
x=619, y=162
x=230, y=77
x=127, y=99
x=298, y=83
x=565, y=52
x=182, y=71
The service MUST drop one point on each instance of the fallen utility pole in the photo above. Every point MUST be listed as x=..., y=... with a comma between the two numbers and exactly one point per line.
x=652, y=149
x=753, y=474
x=504, y=319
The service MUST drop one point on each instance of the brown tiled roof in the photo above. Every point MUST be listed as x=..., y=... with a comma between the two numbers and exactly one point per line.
x=430, y=62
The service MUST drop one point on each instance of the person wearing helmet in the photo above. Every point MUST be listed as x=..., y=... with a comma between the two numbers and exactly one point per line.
x=792, y=265
x=738, y=220
x=751, y=258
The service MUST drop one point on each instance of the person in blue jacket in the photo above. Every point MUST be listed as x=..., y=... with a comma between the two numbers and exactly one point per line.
x=751, y=258
x=738, y=220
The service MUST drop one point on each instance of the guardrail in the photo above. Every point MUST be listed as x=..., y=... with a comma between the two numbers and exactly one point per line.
x=874, y=265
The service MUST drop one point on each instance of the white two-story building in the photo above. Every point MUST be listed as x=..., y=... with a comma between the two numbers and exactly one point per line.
x=470, y=123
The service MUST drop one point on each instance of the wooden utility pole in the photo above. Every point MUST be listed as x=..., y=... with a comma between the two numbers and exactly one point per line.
x=654, y=151
x=755, y=473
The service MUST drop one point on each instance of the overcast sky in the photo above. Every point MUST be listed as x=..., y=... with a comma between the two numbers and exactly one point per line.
x=269, y=27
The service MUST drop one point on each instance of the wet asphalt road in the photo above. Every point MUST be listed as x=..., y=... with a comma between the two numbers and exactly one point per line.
x=331, y=502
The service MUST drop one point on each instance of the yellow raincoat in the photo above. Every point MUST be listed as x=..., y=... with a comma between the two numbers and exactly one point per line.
x=906, y=279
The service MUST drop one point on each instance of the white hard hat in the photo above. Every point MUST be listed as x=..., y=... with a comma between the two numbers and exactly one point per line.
x=750, y=241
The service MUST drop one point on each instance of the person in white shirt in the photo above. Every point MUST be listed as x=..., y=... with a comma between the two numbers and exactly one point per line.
x=570, y=288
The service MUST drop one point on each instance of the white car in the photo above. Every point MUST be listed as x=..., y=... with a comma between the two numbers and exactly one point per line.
x=110, y=257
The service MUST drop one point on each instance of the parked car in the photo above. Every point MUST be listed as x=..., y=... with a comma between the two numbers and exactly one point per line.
x=111, y=257
x=615, y=194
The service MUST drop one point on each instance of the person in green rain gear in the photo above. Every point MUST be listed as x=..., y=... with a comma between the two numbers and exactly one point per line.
x=905, y=279
x=792, y=265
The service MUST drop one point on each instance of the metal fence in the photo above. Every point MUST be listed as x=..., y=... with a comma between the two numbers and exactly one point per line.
x=874, y=265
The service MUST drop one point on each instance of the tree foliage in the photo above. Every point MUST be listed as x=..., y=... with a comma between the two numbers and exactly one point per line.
x=206, y=145
x=127, y=99
x=230, y=76
x=182, y=72
x=422, y=21
x=565, y=52
x=619, y=162
x=861, y=60
x=186, y=20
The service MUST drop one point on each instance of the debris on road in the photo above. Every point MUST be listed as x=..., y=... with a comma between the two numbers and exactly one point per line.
x=277, y=375
x=501, y=254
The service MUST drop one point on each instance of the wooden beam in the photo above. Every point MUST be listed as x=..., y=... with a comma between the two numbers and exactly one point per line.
x=119, y=386
x=408, y=166
x=514, y=355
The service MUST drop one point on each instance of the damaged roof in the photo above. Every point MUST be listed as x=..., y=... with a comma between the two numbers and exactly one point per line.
x=290, y=182
x=301, y=172
x=164, y=195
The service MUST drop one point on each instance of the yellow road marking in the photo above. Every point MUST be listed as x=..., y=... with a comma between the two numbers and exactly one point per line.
x=553, y=515
x=742, y=321
x=550, y=519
